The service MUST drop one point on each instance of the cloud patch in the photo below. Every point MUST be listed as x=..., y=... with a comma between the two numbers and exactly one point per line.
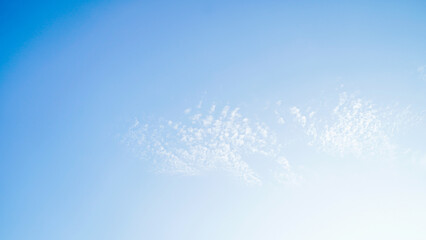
x=208, y=140
x=355, y=127
x=213, y=138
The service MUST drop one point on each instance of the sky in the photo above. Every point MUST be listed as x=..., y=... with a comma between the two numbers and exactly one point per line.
x=212, y=120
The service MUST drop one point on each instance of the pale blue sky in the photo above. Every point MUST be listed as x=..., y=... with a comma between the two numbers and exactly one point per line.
x=108, y=129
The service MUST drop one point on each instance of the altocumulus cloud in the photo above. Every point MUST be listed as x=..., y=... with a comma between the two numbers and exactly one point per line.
x=223, y=139
x=208, y=140
x=356, y=126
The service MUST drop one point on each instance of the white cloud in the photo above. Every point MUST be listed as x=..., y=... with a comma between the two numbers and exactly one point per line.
x=299, y=117
x=212, y=109
x=354, y=127
x=223, y=139
x=284, y=174
x=210, y=140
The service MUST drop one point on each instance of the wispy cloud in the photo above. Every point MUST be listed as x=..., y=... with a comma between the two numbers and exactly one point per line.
x=355, y=127
x=221, y=138
x=284, y=173
x=208, y=140
x=299, y=117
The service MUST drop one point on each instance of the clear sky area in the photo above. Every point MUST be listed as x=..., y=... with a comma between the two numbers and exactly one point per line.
x=251, y=120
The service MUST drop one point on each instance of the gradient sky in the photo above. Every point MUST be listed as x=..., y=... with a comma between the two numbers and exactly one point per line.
x=212, y=120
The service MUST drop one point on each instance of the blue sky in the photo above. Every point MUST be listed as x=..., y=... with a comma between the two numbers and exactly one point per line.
x=212, y=120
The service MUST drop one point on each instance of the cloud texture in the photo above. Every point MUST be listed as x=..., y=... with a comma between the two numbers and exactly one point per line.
x=223, y=139
x=356, y=127
x=209, y=140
